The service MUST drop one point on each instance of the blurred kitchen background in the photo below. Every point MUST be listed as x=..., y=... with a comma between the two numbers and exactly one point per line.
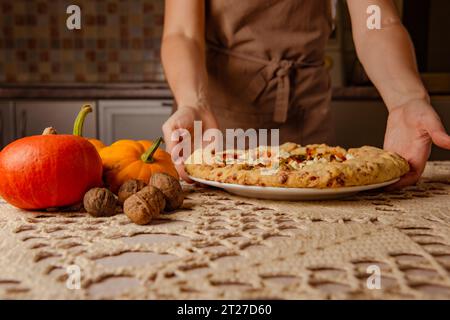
x=47, y=71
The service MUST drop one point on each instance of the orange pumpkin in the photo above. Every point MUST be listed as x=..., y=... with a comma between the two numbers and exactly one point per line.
x=48, y=170
x=128, y=159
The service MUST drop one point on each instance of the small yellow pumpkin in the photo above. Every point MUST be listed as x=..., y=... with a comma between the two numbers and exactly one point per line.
x=97, y=144
x=128, y=159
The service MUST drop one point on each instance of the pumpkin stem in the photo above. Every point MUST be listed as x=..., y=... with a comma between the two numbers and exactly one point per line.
x=79, y=121
x=147, y=157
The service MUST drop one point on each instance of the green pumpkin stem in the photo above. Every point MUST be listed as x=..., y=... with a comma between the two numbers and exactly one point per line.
x=147, y=157
x=79, y=121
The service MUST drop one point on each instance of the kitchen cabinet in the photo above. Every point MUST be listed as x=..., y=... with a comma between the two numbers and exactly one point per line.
x=6, y=122
x=32, y=117
x=359, y=123
x=132, y=119
x=442, y=107
x=363, y=122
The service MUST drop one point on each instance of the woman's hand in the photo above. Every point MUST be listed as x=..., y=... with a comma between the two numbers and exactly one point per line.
x=184, y=118
x=411, y=130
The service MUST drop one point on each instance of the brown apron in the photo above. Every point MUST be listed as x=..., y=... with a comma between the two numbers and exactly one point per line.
x=265, y=63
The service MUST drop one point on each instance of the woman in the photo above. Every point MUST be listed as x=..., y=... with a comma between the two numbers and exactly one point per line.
x=259, y=64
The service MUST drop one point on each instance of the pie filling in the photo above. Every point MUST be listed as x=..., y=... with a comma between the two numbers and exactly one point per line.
x=265, y=157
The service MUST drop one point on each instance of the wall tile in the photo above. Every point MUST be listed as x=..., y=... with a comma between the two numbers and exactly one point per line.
x=119, y=41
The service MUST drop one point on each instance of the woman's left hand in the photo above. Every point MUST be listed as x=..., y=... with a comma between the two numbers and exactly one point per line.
x=411, y=130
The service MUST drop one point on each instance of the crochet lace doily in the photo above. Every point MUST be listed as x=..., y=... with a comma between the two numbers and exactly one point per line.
x=220, y=246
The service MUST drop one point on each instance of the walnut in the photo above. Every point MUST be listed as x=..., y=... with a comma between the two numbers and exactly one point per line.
x=144, y=205
x=49, y=131
x=100, y=202
x=129, y=188
x=171, y=188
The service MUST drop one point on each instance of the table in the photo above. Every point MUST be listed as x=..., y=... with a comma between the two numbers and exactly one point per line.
x=220, y=246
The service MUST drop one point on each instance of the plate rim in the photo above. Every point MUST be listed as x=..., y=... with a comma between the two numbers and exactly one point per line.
x=317, y=191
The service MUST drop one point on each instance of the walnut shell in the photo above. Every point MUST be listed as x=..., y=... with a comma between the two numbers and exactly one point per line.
x=171, y=188
x=100, y=202
x=129, y=188
x=144, y=205
x=49, y=131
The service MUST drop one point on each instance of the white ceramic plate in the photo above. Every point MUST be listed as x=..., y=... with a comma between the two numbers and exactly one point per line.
x=274, y=193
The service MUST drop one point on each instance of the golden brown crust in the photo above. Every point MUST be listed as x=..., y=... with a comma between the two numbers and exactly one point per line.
x=312, y=166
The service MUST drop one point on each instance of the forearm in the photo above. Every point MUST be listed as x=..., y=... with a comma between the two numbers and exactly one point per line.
x=185, y=69
x=389, y=60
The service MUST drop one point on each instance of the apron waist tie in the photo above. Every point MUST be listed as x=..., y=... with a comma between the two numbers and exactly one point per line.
x=278, y=69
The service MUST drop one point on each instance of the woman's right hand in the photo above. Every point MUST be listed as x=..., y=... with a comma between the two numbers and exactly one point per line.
x=184, y=118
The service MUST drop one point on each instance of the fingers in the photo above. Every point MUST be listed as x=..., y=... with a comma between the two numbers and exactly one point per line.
x=441, y=139
x=417, y=166
x=437, y=132
x=183, y=119
x=408, y=179
x=167, y=129
x=183, y=174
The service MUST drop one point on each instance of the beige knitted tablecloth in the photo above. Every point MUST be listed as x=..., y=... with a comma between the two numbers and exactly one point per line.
x=221, y=246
